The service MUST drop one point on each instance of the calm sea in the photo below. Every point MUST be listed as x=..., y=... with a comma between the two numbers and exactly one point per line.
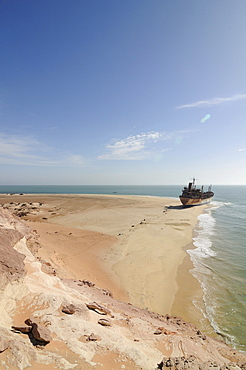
x=219, y=256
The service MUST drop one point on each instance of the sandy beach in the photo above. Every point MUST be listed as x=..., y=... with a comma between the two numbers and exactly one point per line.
x=131, y=245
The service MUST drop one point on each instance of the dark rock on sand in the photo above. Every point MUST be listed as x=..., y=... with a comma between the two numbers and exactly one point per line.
x=69, y=309
x=23, y=329
x=98, y=308
x=104, y=322
x=41, y=333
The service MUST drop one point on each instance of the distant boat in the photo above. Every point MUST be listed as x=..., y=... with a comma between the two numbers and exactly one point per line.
x=191, y=196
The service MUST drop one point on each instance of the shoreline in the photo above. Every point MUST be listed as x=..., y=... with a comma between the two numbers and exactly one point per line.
x=188, y=301
x=194, y=309
x=136, y=245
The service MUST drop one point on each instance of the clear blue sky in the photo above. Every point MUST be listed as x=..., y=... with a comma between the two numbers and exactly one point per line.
x=122, y=91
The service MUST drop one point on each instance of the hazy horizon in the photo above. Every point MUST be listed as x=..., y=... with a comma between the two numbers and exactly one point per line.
x=119, y=185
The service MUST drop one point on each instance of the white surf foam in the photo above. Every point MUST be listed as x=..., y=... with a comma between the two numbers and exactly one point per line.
x=217, y=204
x=202, y=240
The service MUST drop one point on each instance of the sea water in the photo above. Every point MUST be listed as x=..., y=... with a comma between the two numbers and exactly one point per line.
x=219, y=258
x=219, y=253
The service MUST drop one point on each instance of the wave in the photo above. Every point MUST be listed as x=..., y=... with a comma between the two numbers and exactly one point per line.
x=202, y=240
x=204, y=230
x=217, y=204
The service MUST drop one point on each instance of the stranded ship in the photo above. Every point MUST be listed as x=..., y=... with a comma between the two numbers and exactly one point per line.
x=191, y=196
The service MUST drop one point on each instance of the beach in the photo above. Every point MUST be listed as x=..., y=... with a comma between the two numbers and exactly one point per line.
x=133, y=246
x=102, y=282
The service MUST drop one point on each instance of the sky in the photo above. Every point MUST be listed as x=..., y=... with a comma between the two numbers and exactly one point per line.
x=122, y=92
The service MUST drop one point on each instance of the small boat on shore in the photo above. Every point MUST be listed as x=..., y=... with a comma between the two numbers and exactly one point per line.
x=191, y=196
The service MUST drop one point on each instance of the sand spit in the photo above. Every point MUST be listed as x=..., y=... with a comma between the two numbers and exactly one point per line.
x=131, y=245
x=52, y=316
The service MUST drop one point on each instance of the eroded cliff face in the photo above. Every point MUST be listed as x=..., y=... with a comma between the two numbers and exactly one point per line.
x=49, y=322
x=12, y=265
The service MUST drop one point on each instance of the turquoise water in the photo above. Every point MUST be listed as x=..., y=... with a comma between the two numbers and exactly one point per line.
x=219, y=256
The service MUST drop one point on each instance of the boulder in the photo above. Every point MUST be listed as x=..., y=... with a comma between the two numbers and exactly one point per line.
x=31, y=321
x=104, y=322
x=98, y=308
x=69, y=309
x=23, y=329
x=41, y=333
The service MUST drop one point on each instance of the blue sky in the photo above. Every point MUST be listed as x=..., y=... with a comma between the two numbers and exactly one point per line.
x=122, y=91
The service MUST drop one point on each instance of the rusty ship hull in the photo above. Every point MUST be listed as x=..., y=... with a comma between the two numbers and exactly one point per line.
x=193, y=201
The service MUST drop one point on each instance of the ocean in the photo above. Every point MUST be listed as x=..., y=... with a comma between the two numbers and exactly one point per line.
x=218, y=256
x=219, y=260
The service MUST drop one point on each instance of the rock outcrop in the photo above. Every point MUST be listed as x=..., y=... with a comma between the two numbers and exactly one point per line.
x=11, y=262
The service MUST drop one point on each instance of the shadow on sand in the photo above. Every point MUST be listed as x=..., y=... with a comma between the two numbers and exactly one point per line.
x=176, y=207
